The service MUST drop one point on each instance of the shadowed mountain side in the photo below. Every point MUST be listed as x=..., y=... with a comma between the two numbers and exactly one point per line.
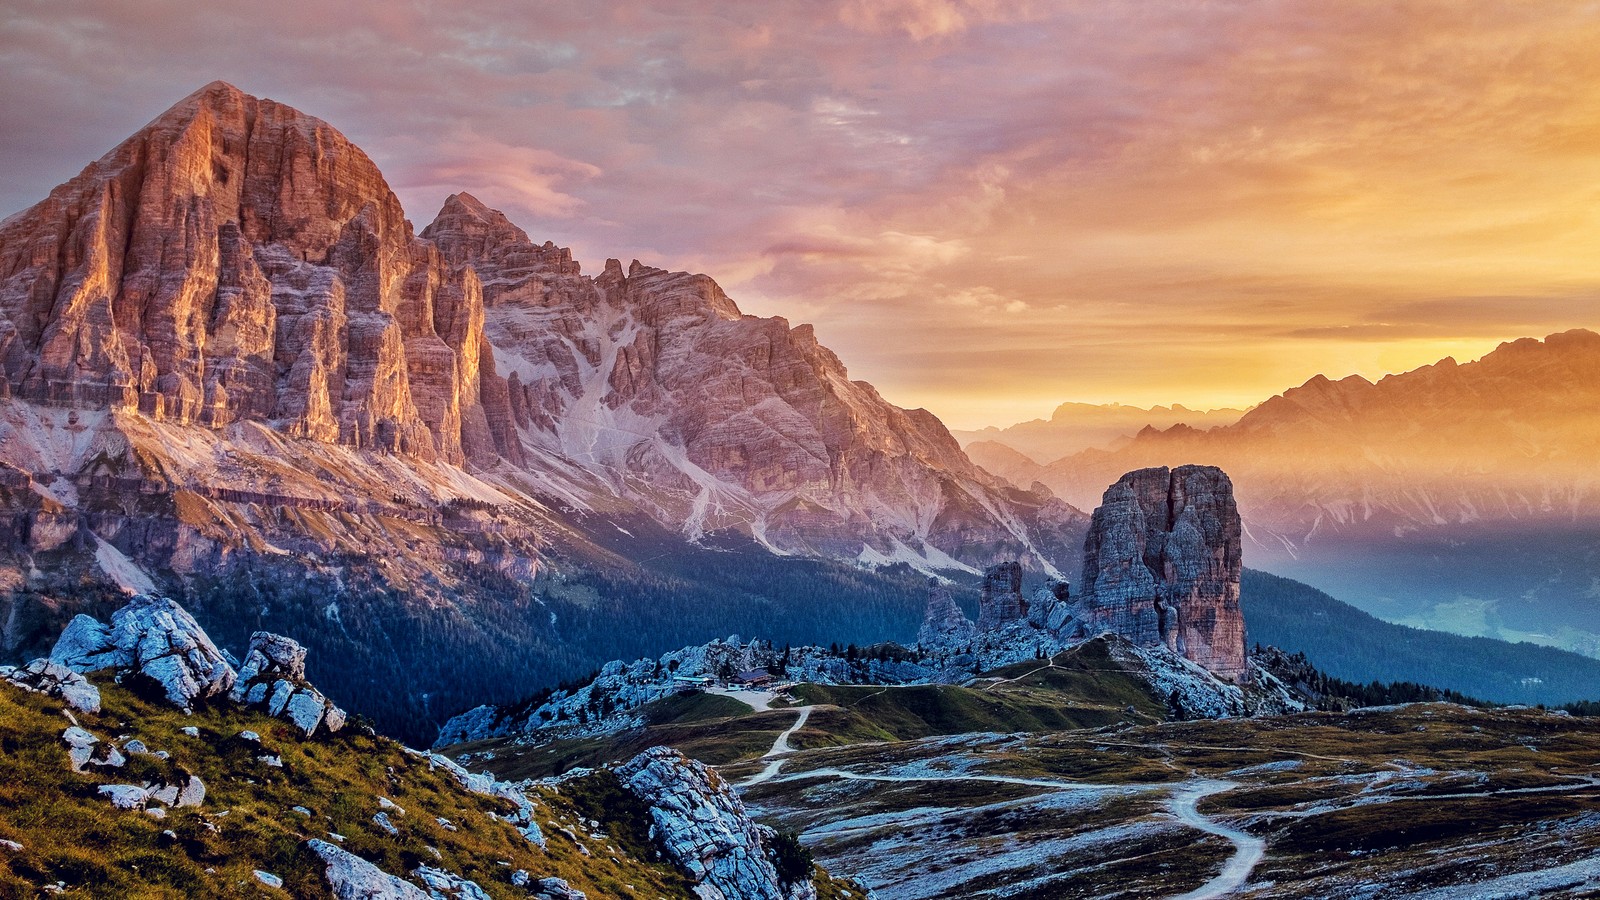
x=1347, y=643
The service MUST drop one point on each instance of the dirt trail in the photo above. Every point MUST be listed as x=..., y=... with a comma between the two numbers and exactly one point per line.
x=1247, y=848
x=780, y=748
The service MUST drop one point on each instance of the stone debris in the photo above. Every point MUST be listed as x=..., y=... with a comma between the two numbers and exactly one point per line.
x=269, y=879
x=523, y=819
x=555, y=889
x=152, y=636
x=125, y=796
x=53, y=679
x=382, y=820
x=13, y=846
x=444, y=885
x=80, y=747
x=353, y=878
x=192, y=792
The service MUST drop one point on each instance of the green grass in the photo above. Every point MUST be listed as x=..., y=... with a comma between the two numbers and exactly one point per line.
x=72, y=835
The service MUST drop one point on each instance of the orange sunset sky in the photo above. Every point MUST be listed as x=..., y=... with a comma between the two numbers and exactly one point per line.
x=986, y=208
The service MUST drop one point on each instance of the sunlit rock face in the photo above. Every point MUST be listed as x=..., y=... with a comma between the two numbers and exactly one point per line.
x=1162, y=564
x=237, y=259
x=652, y=385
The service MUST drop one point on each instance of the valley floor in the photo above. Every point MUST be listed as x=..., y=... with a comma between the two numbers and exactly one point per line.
x=1428, y=800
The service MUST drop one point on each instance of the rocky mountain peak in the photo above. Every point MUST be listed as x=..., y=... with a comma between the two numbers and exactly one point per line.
x=239, y=260
x=1162, y=563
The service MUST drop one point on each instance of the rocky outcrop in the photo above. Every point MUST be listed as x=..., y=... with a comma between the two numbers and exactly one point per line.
x=1001, y=602
x=152, y=636
x=56, y=680
x=704, y=829
x=1162, y=564
x=155, y=637
x=1051, y=609
x=238, y=260
x=352, y=878
x=944, y=624
x=273, y=676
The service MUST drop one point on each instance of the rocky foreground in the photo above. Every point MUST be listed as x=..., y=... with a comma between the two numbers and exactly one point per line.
x=142, y=761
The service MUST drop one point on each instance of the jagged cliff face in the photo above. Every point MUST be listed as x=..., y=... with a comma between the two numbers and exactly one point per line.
x=237, y=260
x=1162, y=564
x=230, y=370
x=652, y=386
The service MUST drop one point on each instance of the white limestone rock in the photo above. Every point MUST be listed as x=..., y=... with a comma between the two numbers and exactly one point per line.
x=556, y=889
x=53, y=679
x=80, y=748
x=273, y=676
x=703, y=827
x=352, y=878
x=444, y=885
x=154, y=636
x=269, y=879
x=126, y=796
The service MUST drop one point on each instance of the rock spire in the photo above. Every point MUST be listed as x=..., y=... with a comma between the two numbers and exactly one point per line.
x=1162, y=563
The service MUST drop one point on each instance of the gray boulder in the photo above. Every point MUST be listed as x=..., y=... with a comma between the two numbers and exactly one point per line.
x=703, y=827
x=56, y=680
x=273, y=676
x=153, y=636
x=352, y=878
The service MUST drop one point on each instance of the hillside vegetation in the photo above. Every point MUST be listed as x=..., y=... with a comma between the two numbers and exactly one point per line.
x=1347, y=643
x=72, y=836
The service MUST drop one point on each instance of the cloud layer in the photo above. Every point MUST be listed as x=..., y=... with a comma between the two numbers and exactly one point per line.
x=986, y=208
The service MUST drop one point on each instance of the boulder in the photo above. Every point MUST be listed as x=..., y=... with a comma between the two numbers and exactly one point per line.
x=703, y=827
x=153, y=636
x=557, y=889
x=56, y=680
x=444, y=885
x=352, y=878
x=273, y=677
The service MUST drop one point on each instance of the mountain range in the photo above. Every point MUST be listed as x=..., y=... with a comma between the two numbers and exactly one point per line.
x=234, y=372
x=1075, y=427
x=1467, y=490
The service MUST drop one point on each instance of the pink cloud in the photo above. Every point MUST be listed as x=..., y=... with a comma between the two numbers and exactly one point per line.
x=1001, y=184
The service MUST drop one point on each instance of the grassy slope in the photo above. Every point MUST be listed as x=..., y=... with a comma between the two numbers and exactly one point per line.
x=70, y=834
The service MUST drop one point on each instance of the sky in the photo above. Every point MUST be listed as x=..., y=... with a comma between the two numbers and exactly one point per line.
x=986, y=208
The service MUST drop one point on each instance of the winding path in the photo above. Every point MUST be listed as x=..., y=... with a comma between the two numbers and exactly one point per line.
x=780, y=748
x=1247, y=848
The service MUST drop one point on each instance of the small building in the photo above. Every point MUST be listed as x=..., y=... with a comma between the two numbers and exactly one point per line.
x=753, y=678
x=689, y=684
